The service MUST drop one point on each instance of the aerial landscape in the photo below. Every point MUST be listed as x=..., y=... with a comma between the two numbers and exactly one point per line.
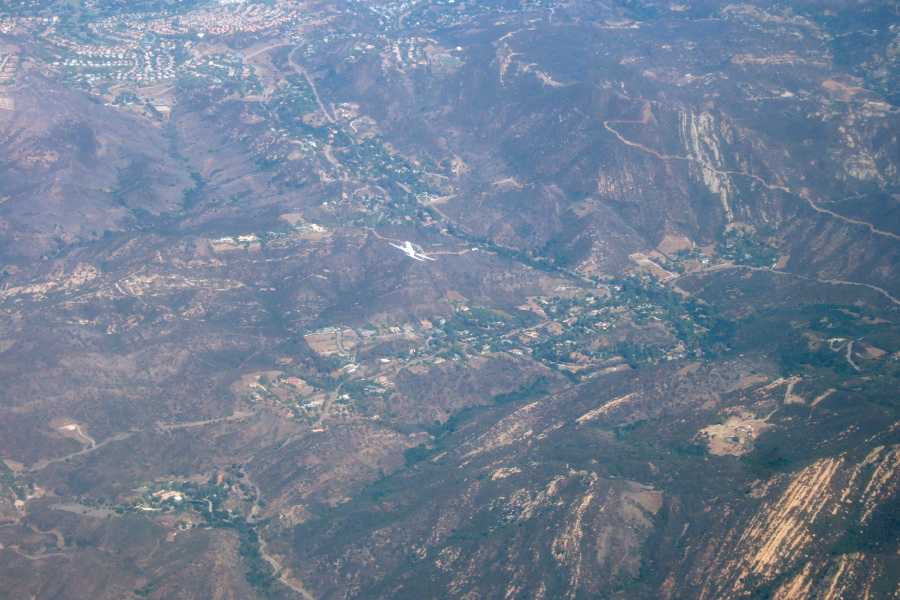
x=513, y=299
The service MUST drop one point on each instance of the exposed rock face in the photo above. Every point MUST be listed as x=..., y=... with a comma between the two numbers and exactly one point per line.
x=496, y=506
x=655, y=356
x=795, y=518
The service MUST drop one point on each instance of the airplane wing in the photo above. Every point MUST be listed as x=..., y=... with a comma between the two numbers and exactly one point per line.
x=411, y=252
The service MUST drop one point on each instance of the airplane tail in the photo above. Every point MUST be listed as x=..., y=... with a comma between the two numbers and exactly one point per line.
x=412, y=251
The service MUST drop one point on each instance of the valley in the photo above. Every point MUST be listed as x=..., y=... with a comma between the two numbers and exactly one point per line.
x=656, y=354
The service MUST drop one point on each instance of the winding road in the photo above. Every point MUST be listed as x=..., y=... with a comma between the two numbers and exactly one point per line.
x=29, y=557
x=726, y=266
x=43, y=463
x=767, y=185
x=757, y=178
x=277, y=567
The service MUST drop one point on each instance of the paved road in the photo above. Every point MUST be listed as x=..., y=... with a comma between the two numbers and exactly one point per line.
x=326, y=407
x=315, y=92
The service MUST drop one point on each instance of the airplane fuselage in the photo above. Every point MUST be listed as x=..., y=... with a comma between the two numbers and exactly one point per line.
x=411, y=252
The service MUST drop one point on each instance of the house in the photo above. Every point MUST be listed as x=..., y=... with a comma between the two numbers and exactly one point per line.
x=165, y=495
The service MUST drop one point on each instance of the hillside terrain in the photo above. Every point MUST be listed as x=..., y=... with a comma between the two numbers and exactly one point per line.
x=656, y=353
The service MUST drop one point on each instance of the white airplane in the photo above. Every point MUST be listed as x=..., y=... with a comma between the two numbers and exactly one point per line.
x=412, y=252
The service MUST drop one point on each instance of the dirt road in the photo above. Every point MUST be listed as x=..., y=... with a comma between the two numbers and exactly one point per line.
x=277, y=567
x=757, y=178
x=45, y=462
x=234, y=417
